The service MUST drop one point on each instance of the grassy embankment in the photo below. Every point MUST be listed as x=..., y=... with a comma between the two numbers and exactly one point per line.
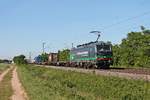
x=5, y=87
x=52, y=84
x=3, y=67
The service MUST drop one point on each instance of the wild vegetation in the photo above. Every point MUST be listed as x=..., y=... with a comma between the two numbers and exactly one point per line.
x=51, y=84
x=134, y=50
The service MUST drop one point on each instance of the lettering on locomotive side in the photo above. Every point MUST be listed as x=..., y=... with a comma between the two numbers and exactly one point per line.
x=83, y=53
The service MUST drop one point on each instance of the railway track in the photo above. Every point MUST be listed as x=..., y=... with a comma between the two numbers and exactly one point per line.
x=128, y=73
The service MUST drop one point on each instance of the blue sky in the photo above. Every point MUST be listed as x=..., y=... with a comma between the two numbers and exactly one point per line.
x=25, y=24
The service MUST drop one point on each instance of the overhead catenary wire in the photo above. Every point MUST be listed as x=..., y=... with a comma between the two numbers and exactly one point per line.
x=125, y=20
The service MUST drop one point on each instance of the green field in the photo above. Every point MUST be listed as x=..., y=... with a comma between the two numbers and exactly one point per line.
x=3, y=67
x=53, y=84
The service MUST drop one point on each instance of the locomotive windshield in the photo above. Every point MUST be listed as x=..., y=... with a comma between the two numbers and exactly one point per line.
x=103, y=48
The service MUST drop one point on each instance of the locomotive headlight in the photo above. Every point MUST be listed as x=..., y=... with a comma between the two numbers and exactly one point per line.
x=72, y=57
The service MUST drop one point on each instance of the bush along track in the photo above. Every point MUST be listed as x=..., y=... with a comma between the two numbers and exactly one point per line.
x=53, y=84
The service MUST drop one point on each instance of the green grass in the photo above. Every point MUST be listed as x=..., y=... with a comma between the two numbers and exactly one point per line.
x=53, y=84
x=5, y=87
x=3, y=67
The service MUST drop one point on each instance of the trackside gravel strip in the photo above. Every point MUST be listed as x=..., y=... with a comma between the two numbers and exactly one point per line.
x=105, y=73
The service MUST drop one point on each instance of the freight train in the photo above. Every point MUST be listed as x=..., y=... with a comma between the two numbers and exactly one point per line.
x=90, y=55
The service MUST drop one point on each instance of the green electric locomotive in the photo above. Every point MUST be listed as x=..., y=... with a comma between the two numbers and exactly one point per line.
x=94, y=54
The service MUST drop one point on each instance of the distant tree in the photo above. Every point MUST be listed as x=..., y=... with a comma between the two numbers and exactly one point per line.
x=5, y=61
x=20, y=60
x=64, y=55
x=44, y=57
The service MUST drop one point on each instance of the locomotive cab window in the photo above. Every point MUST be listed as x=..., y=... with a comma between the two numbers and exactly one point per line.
x=103, y=48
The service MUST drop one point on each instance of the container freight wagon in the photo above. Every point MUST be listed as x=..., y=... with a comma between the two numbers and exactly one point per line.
x=53, y=58
x=93, y=54
x=38, y=60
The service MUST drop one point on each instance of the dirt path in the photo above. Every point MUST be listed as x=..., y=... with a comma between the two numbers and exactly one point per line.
x=19, y=93
x=3, y=74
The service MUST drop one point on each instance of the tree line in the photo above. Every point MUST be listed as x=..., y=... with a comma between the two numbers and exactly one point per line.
x=134, y=50
x=5, y=61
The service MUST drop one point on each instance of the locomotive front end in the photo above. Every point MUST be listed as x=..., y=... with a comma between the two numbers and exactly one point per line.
x=104, y=55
